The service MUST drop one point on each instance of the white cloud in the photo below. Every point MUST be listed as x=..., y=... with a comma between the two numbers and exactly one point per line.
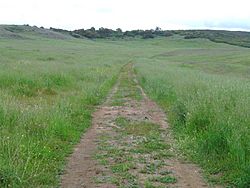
x=127, y=14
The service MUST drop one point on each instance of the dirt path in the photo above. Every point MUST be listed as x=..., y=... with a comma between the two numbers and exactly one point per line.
x=128, y=145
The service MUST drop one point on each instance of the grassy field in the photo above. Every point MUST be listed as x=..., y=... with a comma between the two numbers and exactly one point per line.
x=205, y=91
x=49, y=88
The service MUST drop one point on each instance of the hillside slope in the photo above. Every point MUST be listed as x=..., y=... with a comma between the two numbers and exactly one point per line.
x=29, y=32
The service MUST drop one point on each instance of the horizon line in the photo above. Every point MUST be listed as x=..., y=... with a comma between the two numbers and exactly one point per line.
x=124, y=30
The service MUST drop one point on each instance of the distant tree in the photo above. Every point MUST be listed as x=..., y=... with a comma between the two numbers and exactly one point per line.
x=118, y=33
x=147, y=34
x=157, y=29
x=119, y=30
x=105, y=33
x=92, y=29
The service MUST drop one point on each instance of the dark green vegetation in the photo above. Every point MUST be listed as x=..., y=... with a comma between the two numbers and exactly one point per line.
x=93, y=33
x=238, y=38
x=49, y=87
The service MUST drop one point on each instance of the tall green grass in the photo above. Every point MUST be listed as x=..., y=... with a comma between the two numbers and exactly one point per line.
x=49, y=88
x=210, y=116
x=46, y=100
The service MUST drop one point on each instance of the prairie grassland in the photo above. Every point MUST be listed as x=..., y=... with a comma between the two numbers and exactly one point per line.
x=205, y=91
x=48, y=90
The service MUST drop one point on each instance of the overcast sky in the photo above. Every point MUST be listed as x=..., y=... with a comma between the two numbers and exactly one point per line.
x=128, y=14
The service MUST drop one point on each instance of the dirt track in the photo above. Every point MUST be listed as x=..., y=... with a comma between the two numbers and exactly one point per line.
x=104, y=147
